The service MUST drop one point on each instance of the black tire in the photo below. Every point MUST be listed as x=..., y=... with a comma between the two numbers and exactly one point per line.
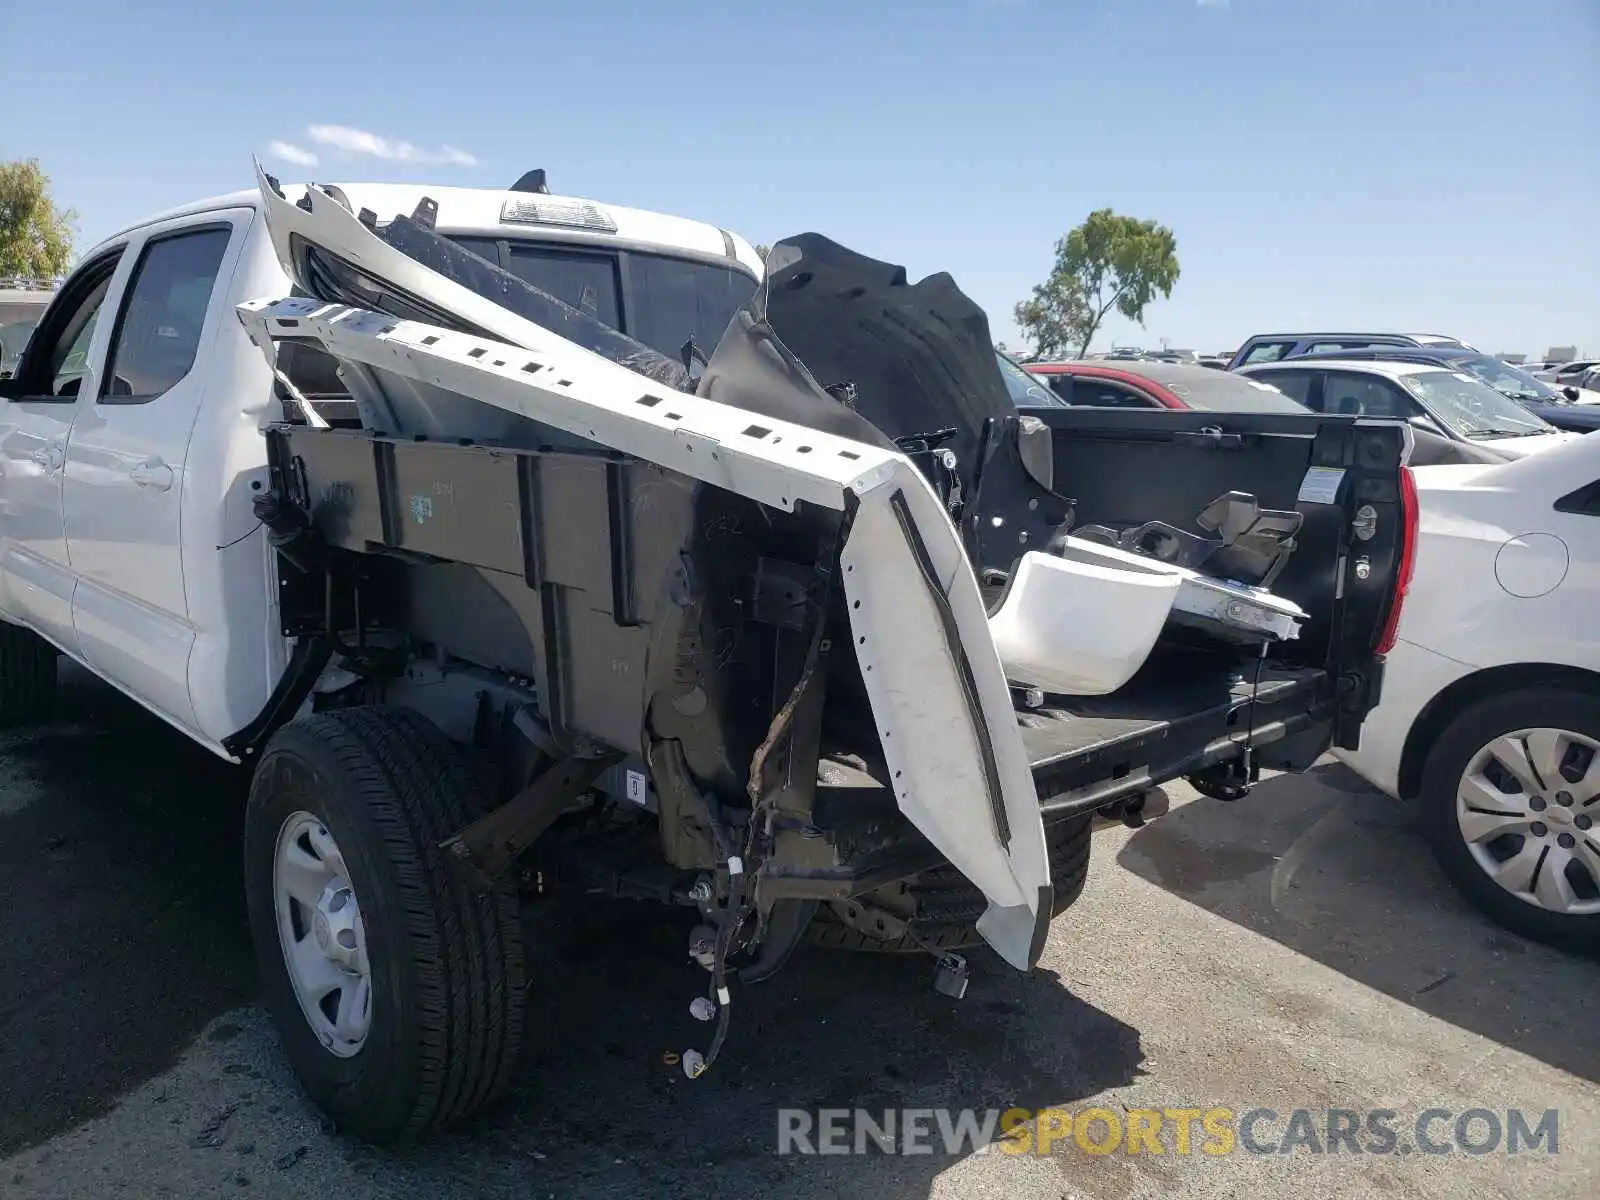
x=448, y=976
x=27, y=676
x=1552, y=706
x=948, y=905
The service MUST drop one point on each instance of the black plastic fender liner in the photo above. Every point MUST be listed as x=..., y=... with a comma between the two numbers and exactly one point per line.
x=311, y=655
x=920, y=355
x=752, y=369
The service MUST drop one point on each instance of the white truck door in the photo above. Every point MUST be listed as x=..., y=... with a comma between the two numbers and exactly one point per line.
x=125, y=460
x=63, y=360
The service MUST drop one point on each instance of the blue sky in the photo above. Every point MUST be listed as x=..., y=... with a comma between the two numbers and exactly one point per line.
x=1430, y=164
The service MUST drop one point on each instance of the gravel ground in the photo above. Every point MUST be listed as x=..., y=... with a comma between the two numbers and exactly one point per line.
x=1294, y=950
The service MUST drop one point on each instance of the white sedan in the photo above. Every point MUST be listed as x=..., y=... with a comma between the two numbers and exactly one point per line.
x=1490, y=715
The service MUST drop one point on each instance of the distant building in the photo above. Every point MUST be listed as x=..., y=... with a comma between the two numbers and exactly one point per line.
x=1561, y=354
x=1514, y=359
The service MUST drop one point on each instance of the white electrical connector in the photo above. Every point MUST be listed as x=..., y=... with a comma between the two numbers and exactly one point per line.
x=722, y=997
x=702, y=1009
x=736, y=865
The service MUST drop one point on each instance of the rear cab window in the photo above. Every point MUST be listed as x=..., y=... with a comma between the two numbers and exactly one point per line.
x=660, y=300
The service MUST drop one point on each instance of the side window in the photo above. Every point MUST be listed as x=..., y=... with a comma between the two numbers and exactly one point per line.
x=1267, y=352
x=588, y=282
x=673, y=299
x=1088, y=392
x=1364, y=396
x=158, y=330
x=1061, y=385
x=1294, y=384
x=56, y=355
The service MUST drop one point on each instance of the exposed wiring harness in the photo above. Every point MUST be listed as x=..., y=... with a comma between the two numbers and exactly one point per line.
x=741, y=883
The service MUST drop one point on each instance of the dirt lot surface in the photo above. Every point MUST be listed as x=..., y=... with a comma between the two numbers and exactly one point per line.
x=1297, y=950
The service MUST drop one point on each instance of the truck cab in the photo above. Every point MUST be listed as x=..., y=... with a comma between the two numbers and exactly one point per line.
x=130, y=437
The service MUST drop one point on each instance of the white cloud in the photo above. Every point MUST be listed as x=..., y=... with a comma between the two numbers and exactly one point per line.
x=358, y=141
x=290, y=153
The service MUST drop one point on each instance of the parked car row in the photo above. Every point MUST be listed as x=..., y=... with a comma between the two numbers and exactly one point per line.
x=1573, y=372
x=1434, y=381
x=1490, y=714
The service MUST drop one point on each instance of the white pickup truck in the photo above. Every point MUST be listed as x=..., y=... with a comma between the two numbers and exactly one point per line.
x=494, y=528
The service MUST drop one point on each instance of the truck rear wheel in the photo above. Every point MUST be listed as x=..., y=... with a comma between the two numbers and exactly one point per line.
x=946, y=906
x=27, y=675
x=398, y=991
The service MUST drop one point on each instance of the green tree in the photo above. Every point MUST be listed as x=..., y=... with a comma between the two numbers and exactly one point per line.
x=763, y=250
x=35, y=235
x=1108, y=262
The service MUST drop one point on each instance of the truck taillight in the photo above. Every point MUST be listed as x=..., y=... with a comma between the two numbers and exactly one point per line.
x=1408, y=559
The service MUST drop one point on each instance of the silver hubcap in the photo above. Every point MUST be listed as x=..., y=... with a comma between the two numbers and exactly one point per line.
x=320, y=932
x=1528, y=806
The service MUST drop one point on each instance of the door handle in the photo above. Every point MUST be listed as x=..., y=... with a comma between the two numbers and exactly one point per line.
x=51, y=457
x=153, y=474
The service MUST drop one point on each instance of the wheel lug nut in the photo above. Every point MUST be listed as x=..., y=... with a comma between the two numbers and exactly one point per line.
x=1538, y=829
x=1537, y=804
x=1564, y=799
x=1582, y=821
x=1566, y=841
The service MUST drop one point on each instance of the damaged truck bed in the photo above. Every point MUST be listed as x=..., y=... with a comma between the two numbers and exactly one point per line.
x=525, y=544
x=811, y=630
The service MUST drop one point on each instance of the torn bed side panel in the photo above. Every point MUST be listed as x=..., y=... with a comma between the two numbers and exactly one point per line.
x=945, y=718
x=935, y=683
x=567, y=388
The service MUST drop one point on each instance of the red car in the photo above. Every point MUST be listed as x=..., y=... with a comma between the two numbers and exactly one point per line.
x=1143, y=384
